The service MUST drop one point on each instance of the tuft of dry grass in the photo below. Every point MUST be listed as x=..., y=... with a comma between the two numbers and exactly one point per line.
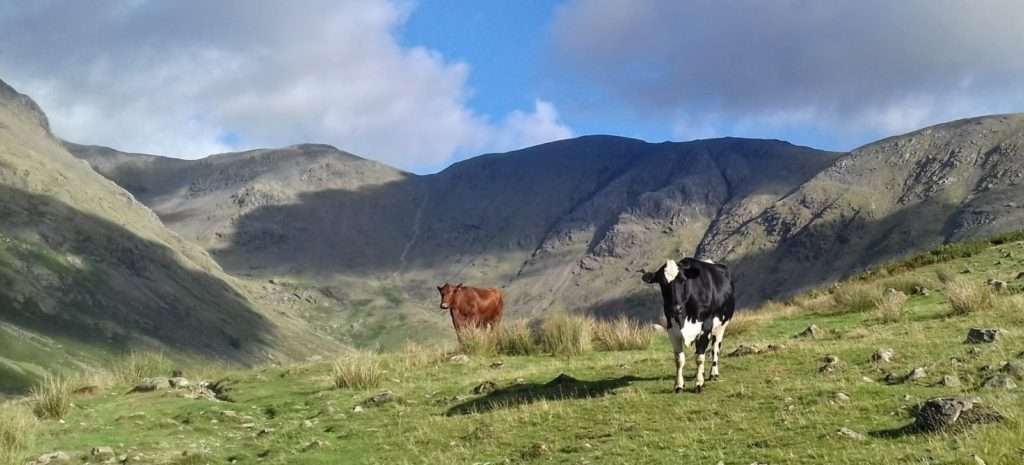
x=357, y=370
x=515, y=338
x=966, y=297
x=852, y=297
x=622, y=334
x=18, y=428
x=908, y=283
x=478, y=341
x=413, y=355
x=944, y=274
x=813, y=302
x=889, y=308
x=51, y=398
x=135, y=366
x=566, y=334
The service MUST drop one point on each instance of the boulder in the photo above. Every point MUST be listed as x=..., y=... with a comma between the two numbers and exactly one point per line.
x=883, y=356
x=830, y=363
x=921, y=290
x=999, y=381
x=981, y=336
x=952, y=414
x=916, y=374
x=485, y=387
x=851, y=434
x=103, y=454
x=178, y=382
x=812, y=332
x=53, y=458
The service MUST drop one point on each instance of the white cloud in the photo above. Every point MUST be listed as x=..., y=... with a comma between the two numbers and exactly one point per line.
x=186, y=78
x=520, y=129
x=844, y=68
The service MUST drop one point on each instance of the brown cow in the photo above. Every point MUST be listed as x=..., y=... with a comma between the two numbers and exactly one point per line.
x=471, y=307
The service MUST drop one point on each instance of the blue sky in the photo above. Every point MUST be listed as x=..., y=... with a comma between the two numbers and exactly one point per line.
x=420, y=85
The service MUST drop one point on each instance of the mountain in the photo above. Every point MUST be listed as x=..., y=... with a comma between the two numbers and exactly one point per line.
x=87, y=271
x=567, y=225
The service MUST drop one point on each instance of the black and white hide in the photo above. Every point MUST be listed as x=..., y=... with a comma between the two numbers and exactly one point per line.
x=698, y=301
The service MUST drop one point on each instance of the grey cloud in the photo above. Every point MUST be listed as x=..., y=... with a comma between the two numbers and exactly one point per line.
x=842, y=66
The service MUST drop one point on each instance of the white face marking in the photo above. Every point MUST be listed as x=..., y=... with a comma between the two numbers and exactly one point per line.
x=671, y=270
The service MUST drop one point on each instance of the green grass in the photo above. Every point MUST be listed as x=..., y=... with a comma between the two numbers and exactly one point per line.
x=767, y=408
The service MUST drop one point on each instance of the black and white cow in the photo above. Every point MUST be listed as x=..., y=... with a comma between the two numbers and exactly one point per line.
x=699, y=302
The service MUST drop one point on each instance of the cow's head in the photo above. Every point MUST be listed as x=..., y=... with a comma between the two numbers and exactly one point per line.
x=447, y=294
x=669, y=273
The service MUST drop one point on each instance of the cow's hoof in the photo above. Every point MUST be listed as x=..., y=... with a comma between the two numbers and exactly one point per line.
x=699, y=389
x=679, y=389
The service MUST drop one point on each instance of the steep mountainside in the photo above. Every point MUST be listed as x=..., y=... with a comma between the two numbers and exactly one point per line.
x=567, y=224
x=86, y=269
x=947, y=183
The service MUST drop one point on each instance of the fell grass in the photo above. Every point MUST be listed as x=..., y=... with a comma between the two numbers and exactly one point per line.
x=18, y=427
x=478, y=341
x=515, y=338
x=51, y=398
x=566, y=334
x=358, y=370
x=967, y=297
x=855, y=296
x=622, y=334
x=890, y=307
x=135, y=366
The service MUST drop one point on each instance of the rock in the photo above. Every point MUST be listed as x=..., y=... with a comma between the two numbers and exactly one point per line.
x=498, y=364
x=841, y=397
x=1000, y=382
x=1014, y=369
x=998, y=285
x=950, y=381
x=830, y=363
x=1020, y=276
x=485, y=387
x=883, y=356
x=459, y=358
x=920, y=290
x=381, y=399
x=952, y=414
x=357, y=409
x=812, y=332
x=743, y=350
x=148, y=385
x=851, y=434
x=965, y=271
x=53, y=458
x=86, y=390
x=979, y=336
x=103, y=454
x=316, y=444
x=562, y=379
x=178, y=382
x=265, y=431
x=977, y=459
x=891, y=378
x=916, y=374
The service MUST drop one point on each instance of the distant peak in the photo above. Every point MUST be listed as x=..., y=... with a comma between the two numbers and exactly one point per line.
x=8, y=95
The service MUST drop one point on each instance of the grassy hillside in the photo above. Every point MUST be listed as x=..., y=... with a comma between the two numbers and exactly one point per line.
x=773, y=407
x=87, y=272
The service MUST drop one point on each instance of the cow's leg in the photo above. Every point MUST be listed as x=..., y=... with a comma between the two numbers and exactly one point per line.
x=702, y=346
x=677, y=349
x=716, y=348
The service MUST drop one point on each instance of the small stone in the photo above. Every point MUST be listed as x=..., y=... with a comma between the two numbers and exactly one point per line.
x=998, y=285
x=891, y=378
x=103, y=453
x=953, y=414
x=357, y=409
x=999, y=381
x=459, y=358
x=950, y=381
x=148, y=385
x=743, y=350
x=830, y=363
x=921, y=291
x=977, y=459
x=498, y=364
x=265, y=431
x=883, y=356
x=316, y=444
x=812, y=332
x=979, y=336
x=965, y=271
x=851, y=434
x=1019, y=276
x=916, y=375
x=1014, y=369
x=485, y=387
x=841, y=397
x=381, y=399
x=178, y=382
x=53, y=458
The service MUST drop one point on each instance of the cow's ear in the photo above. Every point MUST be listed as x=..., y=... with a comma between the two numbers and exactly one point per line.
x=691, y=273
x=648, y=278
x=439, y=288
